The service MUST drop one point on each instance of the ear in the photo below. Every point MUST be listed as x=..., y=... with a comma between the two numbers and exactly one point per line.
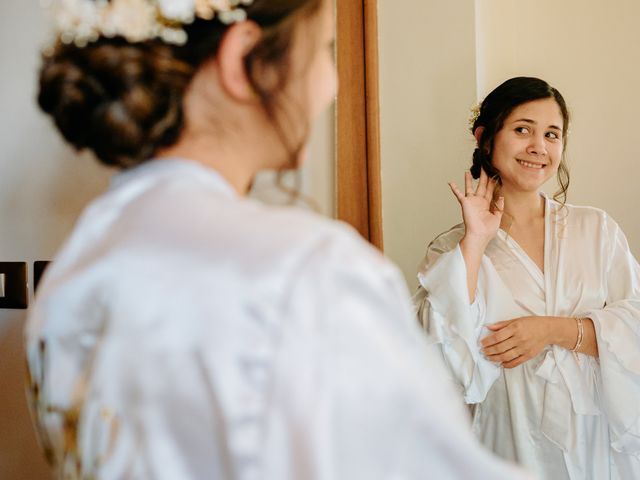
x=478, y=134
x=237, y=42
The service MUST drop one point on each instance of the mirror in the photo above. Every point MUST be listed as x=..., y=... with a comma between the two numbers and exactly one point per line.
x=559, y=414
x=437, y=59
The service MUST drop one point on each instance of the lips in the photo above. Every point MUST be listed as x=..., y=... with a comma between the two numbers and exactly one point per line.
x=533, y=165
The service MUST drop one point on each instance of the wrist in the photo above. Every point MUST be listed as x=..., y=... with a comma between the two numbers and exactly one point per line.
x=565, y=332
x=474, y=242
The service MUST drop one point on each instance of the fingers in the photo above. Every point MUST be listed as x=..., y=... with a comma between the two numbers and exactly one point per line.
x=498, y=207
x=500, y=348
x=499, y=325
x=515, y=362
x=485, y=188
x=506, y=357
x=491, y=186
x=456, y=191
x=500, y=336
x=468, y=183
x=482, y=184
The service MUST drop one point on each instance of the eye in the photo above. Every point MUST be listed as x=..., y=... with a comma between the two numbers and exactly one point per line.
x=522, y=130
x=553, y=135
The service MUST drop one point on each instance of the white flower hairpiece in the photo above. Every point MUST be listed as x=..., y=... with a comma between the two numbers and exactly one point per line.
x=475, y=113
x=84, y=21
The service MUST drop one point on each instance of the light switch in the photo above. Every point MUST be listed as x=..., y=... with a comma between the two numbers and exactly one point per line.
x=13, y=279
x=38, y=269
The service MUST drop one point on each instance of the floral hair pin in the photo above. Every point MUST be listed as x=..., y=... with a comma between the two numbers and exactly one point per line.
x=84, y=21
x=475, y=113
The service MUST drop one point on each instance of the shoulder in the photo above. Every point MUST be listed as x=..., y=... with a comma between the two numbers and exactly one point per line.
x=589, y=227
x=443, y=243
x=333, y=252
x=189, y=230
x=584, y=218
x=580, y=213
x=287, y=238
x=187, y=215
x=449, y=237
x=178, y=230
x=152, y=266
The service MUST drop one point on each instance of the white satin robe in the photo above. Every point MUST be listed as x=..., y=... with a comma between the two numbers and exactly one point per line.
x=561, y=416
x=184, y=332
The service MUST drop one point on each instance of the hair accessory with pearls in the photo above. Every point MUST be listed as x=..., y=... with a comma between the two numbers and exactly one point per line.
x=84, y=21
x=475, y=113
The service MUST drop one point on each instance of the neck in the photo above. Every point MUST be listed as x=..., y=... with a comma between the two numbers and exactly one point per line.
x=523, y=208
x=232, y=163
x=222, y=133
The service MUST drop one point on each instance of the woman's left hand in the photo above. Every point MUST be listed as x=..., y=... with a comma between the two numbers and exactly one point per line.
x=516, y=341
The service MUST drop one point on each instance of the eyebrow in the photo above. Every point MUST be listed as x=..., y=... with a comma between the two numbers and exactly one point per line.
x=533, y=122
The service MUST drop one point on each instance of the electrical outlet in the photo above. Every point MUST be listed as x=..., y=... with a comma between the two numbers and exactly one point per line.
x=15, y=286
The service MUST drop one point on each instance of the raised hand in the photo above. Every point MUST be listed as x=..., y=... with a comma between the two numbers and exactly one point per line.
x=480, y=214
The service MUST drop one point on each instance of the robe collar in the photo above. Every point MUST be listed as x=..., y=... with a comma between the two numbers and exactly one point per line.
x=159, y=167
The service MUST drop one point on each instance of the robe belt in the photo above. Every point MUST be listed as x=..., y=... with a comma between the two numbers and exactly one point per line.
x=566, y=396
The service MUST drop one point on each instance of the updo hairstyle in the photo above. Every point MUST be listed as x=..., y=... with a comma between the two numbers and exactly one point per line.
x=123, y=100
x=494, y=110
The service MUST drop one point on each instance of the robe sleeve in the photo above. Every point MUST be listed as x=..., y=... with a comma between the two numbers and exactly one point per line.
x=363, y=397
x=617, y=328
x=455, y=326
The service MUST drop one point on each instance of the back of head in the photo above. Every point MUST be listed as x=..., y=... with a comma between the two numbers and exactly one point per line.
x=115, y=79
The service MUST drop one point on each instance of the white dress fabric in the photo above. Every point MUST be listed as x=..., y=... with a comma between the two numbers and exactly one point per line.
x=562, y=416
x=184, y=332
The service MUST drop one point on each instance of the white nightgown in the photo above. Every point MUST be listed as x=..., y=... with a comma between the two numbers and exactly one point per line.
x=184, y=332
x=560, y=415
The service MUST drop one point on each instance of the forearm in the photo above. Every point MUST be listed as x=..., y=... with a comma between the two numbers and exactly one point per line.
x=472, y=252
x=564, y=332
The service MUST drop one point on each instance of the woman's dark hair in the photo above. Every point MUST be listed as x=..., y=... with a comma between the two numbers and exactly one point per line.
x=494, y=110
x=123, y=101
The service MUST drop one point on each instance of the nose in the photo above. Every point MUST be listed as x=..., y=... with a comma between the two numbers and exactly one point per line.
x=537, y=146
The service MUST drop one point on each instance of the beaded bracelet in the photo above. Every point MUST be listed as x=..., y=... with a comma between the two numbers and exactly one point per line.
x=580, y=335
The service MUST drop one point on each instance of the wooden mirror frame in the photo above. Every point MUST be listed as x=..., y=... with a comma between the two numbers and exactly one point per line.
x=358, y=189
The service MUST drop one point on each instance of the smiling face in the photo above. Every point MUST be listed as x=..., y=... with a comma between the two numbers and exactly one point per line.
x=528, y=149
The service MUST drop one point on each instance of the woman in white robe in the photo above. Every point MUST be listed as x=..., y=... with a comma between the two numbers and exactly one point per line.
x=186, y=332
x=507, y=295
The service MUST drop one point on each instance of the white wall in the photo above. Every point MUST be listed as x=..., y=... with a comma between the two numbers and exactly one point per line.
x=433, y=65
x=316, y=177
x=43, y=187
x=590, y=51
x=427, y=85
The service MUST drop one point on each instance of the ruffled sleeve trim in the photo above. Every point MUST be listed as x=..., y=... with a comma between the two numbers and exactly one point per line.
x=455, y=324
x=619, y=355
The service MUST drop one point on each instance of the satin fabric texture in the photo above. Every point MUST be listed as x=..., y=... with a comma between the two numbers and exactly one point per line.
x=185, y=332
x=561, y=415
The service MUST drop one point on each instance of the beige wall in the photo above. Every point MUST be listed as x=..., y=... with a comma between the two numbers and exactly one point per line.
x=427, y=85
x=589, y=50
x=316, y=177
x=43, y=187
